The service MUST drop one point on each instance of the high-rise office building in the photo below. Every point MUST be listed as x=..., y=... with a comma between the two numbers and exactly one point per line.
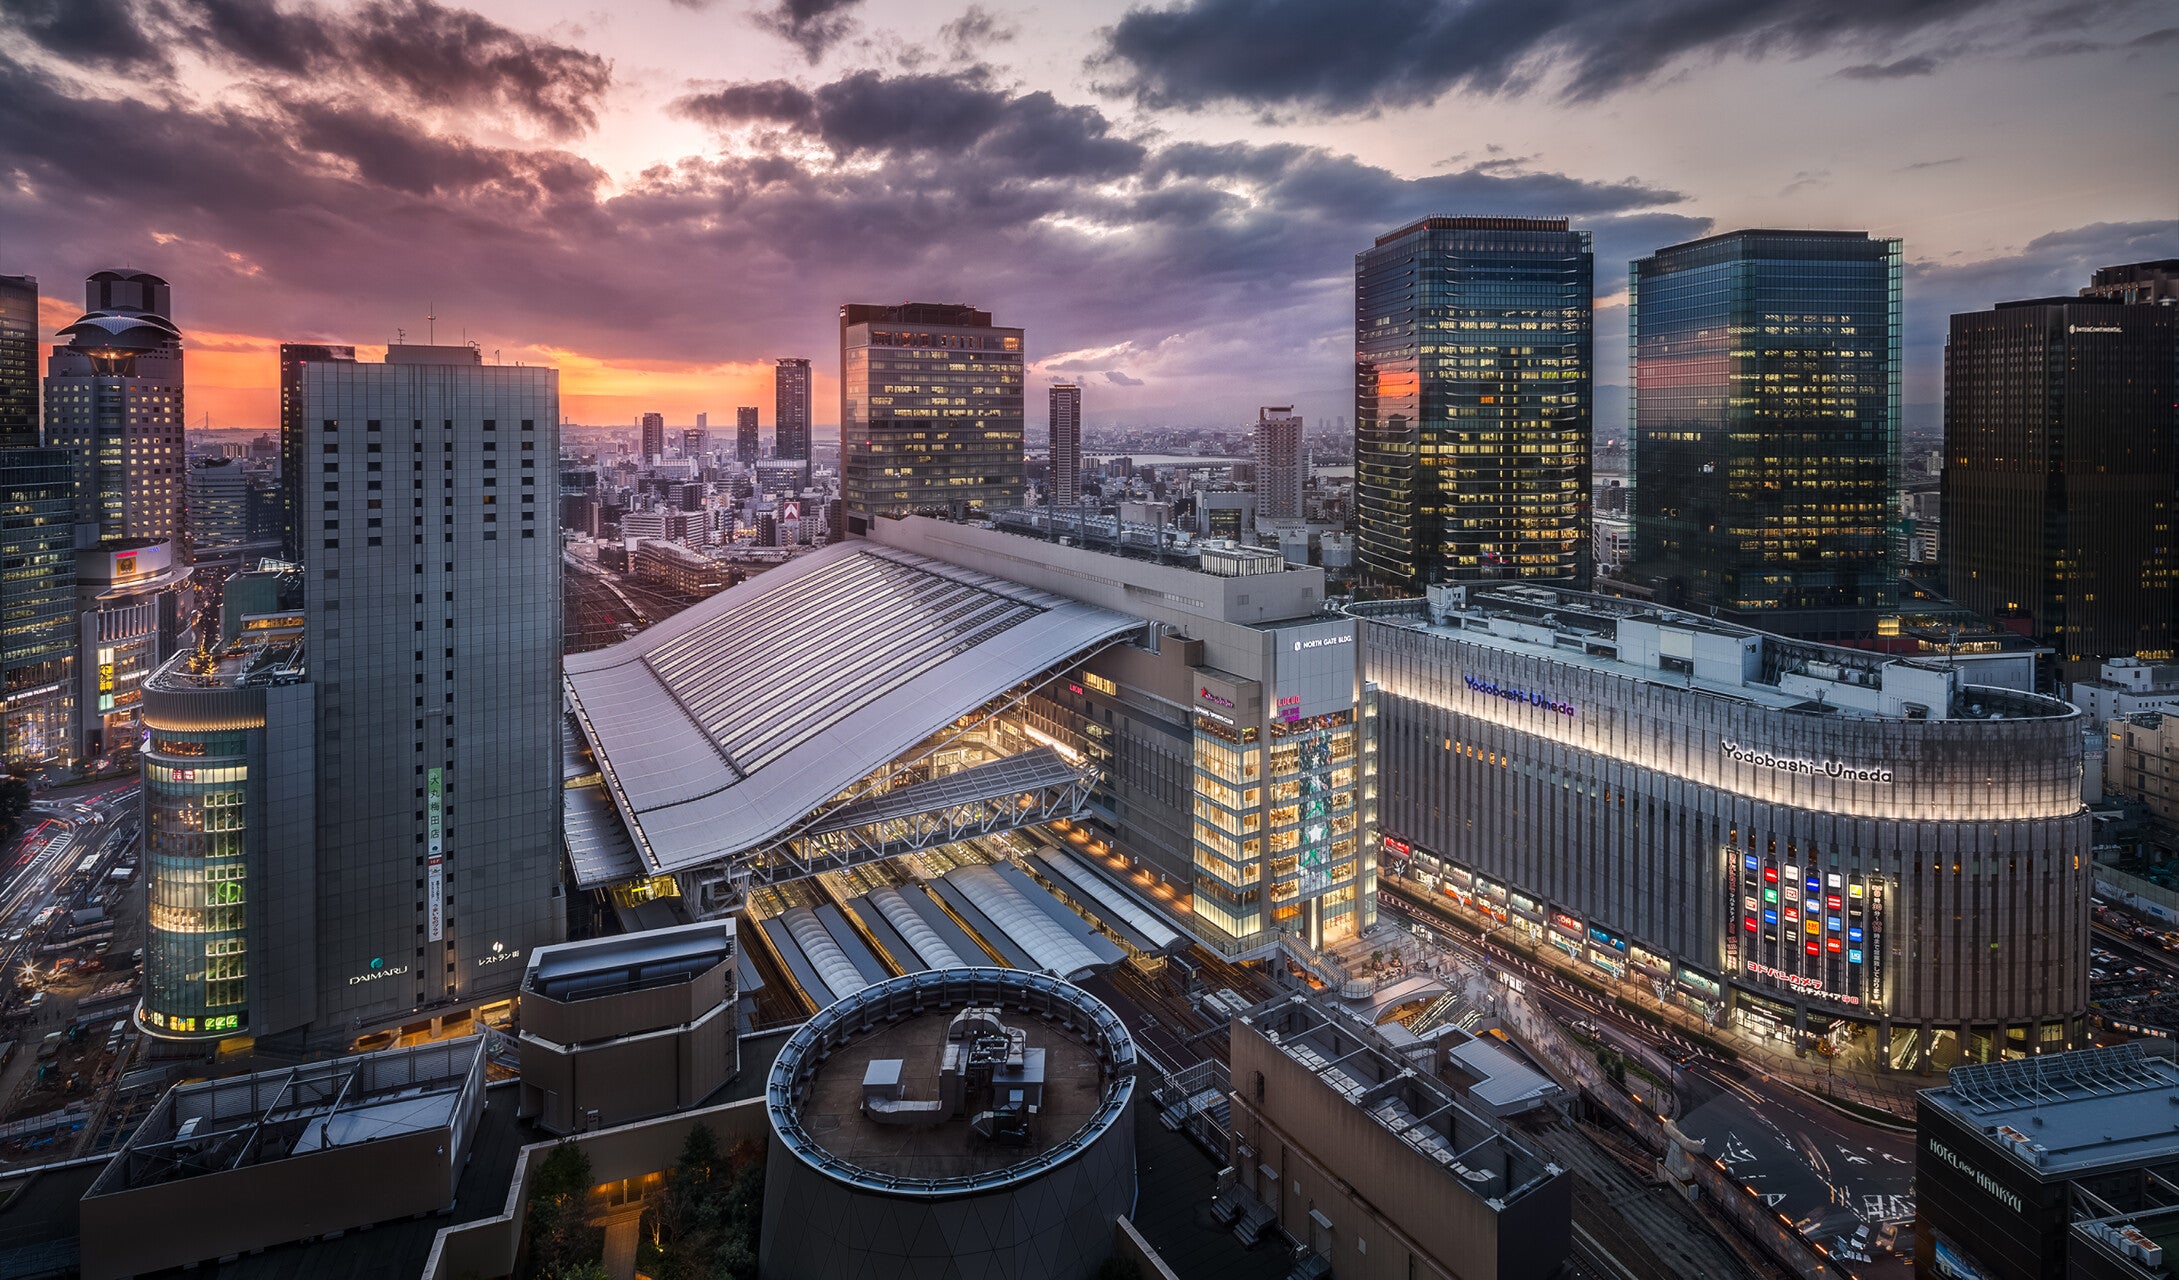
x=930, y=411
x=113, y=395
x=1472, y=401
x=791, y=408
x=1066, y=443
x=18, y=361
x=432, y=599
x=37, y=604
x=745, y=435
x=654, y=438
x=294, y=358
x=218, y=503
x=1766, y=427
x=2058, y=473
x=692, y=442
x=1282, y=464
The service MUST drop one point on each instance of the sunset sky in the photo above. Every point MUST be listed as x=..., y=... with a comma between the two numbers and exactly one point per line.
x=660, y=196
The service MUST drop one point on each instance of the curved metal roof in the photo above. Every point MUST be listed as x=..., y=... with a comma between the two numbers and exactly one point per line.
x=135, y=329
x=930, y=949
x=722, y=727
x=1033, y=933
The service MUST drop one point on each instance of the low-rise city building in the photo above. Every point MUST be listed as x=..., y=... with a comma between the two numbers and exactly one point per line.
x=2016, y=1163
x=1378, y=1170
x=226, y=1167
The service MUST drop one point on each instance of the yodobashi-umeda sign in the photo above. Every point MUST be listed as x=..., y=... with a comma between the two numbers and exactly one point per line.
x=1803, y=765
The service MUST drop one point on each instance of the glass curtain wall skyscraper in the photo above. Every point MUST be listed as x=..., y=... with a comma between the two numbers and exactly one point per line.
x=1766, y=427
x=37, y=603
x=930, y=411
x=1472, y=402
x=18, y=361
x=2058, y=473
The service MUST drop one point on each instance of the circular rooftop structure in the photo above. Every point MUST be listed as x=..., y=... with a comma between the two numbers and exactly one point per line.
x=956, y=1113
x=123, y=331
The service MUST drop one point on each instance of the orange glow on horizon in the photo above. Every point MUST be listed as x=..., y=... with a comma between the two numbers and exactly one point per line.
x=235, y=379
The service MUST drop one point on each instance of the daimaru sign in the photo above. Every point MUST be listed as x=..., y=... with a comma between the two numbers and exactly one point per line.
x=1802, y=764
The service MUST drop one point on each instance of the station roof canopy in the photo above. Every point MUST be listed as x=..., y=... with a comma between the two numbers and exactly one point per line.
x=722, y=727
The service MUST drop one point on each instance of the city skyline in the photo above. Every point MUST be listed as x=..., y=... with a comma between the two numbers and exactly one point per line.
x=563, y=197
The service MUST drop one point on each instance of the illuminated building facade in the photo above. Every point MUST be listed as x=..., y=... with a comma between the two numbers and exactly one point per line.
x=37, y=604
x=930, y=411
x=229, y=839
x=1065, y=425
x=1771, y=830
x=1228, y=738
x=113, y=394
x=1472, y=401
x=134, y=601
x=2058, y=475
x=791, y=409
x=1766, y=427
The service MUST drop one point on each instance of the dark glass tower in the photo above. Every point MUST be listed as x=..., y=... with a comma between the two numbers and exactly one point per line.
x=295, y=357
x=745, y=435
x=2058, y=473
x=930, y=411
x=791, y=408
x=1472, y=402
x=1766, y=427
x=18, y=361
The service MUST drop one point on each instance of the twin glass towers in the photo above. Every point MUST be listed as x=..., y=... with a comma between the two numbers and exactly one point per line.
x=1765, y=369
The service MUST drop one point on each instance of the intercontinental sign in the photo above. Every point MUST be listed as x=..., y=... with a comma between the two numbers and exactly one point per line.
x=1803, y=765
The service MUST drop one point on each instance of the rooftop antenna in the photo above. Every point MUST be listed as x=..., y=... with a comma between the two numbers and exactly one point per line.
x=431, y=323
x=400, y=335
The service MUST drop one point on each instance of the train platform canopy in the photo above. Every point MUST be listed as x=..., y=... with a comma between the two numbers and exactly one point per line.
x=1113, y=906
x=720, y=730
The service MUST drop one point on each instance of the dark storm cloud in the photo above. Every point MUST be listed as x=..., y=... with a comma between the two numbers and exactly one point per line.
x=418, y=51
x=1336, y=56
x=813, y=26
x=1920, y=64
x=108, y=34
x=419, y=48
x=869, y=112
